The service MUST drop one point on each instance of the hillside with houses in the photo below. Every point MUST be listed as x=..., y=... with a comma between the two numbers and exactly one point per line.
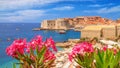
x=77, y=22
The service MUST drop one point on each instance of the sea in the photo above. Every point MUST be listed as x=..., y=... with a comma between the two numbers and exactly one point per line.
x=11, y=31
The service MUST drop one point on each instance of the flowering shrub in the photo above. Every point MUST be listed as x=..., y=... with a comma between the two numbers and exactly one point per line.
x=17, y=46
x=88, y=57
x=83, y=54
x=107, y=58
x=34, y=54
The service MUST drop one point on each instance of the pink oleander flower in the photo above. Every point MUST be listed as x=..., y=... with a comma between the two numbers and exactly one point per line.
x=49, y=56
x=81, y=49
x=105, y=48
x=17, y=46
x=50, y=44
x=115, y=51
x=35, y=52
x=111, y=49
x=35, y=42
x=70, y=56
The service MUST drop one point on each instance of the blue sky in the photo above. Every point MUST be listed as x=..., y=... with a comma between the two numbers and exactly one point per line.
x=34, y=11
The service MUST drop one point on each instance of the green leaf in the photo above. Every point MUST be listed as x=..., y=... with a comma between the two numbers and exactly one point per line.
x=78, y=59
x=41, y=60
x=107, y=59
x=41, y=55
x=98, y=58
x=37, y=51
x=14, y=65
x=85, y=60
x=31, y=51
x=42, y=52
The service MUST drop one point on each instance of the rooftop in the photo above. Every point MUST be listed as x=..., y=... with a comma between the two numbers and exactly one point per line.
x=86, y=16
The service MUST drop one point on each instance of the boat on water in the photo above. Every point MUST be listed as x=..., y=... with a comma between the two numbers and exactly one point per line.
x=8, y=39
x=62, y=31
x=36, y=29
x=17, y=28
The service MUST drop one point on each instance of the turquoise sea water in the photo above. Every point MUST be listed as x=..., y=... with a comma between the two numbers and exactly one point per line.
x=12, y=31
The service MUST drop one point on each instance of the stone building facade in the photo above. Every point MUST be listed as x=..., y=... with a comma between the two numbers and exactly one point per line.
x=91, y=32
x=118, y=30
x=101, y=31
x=109, y=32
x=44, y=24
x=48, y=24
x=61, y=24
x=54, y=24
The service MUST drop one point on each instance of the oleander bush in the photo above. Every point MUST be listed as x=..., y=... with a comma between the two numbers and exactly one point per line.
x=34, y=54
x=88, y=57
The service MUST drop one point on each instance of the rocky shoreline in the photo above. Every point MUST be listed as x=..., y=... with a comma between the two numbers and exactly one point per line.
x=75, y=29
x=62, y=60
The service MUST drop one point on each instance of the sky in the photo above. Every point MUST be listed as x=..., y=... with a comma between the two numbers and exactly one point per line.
x=35, y=11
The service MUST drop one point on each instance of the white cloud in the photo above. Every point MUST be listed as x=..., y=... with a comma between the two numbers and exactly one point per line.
x=28, y=15
x=23, y=4
x=95, y=5
x=64, y=8
x=22, y=10
x=100, y=5
x=22, y=16
x=79, y=0
x=105, y=10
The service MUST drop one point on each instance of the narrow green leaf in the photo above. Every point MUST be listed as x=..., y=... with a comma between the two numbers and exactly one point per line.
x=14, y=65
x=100, y=56
x=37, y=51
x=41, y=60
x=41, y=55
x=42, y=52
x=31, y=51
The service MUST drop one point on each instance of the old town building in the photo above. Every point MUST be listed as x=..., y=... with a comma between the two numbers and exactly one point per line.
x=101, y=31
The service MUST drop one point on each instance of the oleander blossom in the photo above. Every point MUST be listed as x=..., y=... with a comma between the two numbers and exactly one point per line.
x=81, y=49
x=35, y=53
x=50, y=44
x=49, y=56
x=105, y=48
x=35, y=42
x=18, y=45
x=21, y=46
